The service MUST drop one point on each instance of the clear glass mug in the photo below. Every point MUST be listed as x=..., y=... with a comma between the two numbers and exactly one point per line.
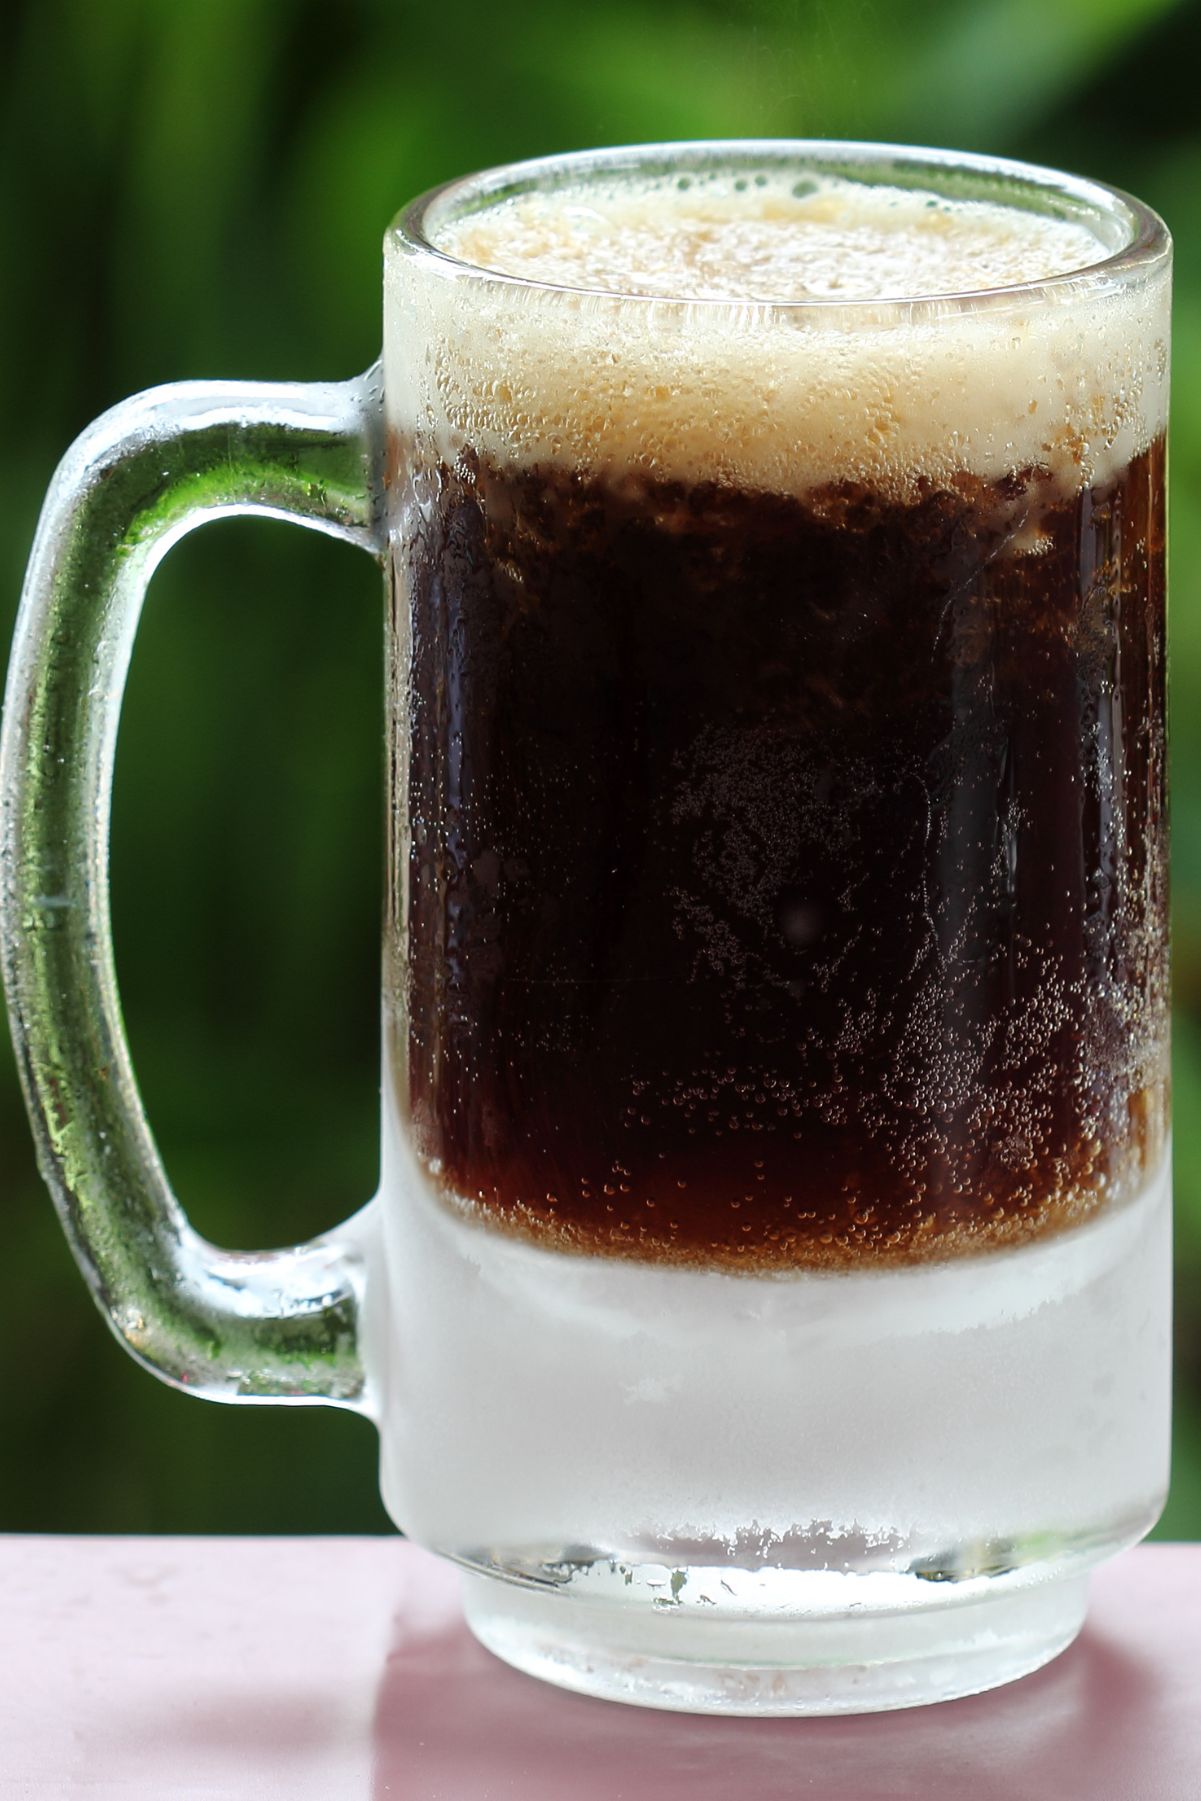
x=767, y=1297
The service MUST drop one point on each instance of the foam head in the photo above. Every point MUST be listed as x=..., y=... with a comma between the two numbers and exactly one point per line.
x=778, y=240
x=774, y=333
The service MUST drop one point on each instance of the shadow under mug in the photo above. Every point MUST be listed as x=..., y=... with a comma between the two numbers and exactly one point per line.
x=767, y=1298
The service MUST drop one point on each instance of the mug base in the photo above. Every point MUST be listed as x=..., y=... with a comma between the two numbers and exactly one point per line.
x=835, y=1662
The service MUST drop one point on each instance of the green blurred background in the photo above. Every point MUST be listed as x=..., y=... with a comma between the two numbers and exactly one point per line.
x=200, y=187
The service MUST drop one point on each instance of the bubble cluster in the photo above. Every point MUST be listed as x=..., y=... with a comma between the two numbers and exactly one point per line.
x=723, y=380
x=713, y=239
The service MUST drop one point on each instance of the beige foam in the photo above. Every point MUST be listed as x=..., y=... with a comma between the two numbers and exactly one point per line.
x=711, y=373
x=833, y=240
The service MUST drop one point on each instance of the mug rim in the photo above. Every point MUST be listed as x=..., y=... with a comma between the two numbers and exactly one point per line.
x=1145, y=246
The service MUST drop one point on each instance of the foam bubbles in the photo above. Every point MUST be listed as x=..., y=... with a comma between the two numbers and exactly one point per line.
x=833, y=240
x=699, y=377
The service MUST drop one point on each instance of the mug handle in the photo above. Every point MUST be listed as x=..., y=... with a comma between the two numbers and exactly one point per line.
x=273, y=1325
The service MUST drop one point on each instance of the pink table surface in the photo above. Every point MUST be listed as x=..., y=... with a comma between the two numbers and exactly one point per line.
x=340, y=1668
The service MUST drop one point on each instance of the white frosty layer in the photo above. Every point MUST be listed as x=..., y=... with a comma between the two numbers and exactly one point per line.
x=701, y=377
x=531, y=1399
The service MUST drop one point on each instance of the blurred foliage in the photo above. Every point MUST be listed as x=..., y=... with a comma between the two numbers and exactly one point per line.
x=200, y=188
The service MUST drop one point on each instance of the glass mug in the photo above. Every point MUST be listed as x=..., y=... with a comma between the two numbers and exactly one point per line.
x=767, y=1298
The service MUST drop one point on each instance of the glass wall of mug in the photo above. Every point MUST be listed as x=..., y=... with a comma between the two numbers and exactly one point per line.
x=775, y=1195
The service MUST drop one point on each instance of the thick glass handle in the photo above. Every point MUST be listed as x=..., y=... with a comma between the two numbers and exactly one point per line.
x=279, y=1325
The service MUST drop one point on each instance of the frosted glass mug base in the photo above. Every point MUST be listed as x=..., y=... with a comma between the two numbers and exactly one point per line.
x=805, y=1494
x=849, y=1657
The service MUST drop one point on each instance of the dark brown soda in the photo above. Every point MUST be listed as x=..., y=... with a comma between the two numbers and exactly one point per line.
x=781, y=882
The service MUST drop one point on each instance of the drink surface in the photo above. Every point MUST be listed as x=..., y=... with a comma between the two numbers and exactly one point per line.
x=781, y=855
x=772, y=239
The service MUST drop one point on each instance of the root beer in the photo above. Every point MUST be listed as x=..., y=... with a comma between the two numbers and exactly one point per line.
x=786, y=868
